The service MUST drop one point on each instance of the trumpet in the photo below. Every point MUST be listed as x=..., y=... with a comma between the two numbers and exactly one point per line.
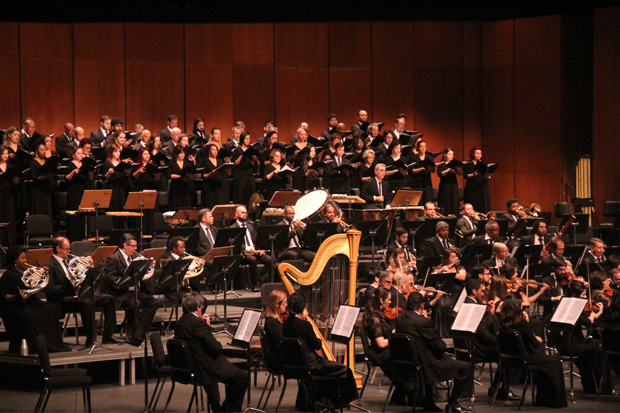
x=195, y=268
x=301, y=224
x=35, y=279
x=151, y=270
x=438, y=215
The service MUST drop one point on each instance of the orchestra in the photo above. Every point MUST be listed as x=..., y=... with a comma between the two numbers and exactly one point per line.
x=411, y=291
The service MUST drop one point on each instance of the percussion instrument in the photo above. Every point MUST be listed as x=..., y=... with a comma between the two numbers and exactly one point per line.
x=310, y=206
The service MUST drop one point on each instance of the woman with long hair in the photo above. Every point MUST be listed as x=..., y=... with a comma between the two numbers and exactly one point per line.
x=275, y=315
x=118, y=181
x=423, y=174
x=78, y=180
x=42, y=184
x=180, y=192
x=378, y=329
x=12, y=142
x=476, y=190
x=306, y=178
x=448, y=191
x=243, y=173
x=215, y=186
x=10, y=178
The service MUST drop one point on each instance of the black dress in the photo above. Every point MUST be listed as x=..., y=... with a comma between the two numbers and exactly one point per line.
x=301, y=182
x=551, y=391
x=448, y=192
x=180, y=192
x=422, y=180
x=273, y=329
x=243, y=176
x=120, y=184
x=397, y=180
x=476, y=189
x=215, y=189
x=8, y=194
x=276, y=183
x=75, y=189
x=40, y=192
x=379, y=327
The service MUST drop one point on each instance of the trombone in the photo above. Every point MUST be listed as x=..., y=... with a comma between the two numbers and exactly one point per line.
x=533, y=211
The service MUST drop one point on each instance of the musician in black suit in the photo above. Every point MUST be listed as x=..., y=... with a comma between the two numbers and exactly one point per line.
x=113, y=271
x=194, y=327
x=235, y=140
x=357, y=130
x=66, y=141
x=500, y=258
x=401, y=241
x=176, y=251
x=485, y=339
x=98, y=137
x=294, y=250
x=513, y=213
x=332, y=121
x=330, y=217
x=339, y=172
x=252, y=255
x=207, y=234
x=467, y=224
x=28, y=137
x=539, y=237
x=596, y=255
x=165, y=134
x=437, y=365
x=435, y=246
x=430, y=211
x=490, y=237
x=61, y=292
x=376, y=192
x=552, y=295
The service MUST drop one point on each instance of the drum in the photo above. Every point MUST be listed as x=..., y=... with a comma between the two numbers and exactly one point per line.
x=309, y=207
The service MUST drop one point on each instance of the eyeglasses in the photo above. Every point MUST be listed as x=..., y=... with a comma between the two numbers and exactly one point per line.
x=388, y=282
x=133, y=245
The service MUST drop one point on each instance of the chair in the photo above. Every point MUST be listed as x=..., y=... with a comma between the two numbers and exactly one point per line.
x=160, y=226
x=273, y=370
x=182, y=371
x=60, y=378
x=560, y=209
x=83, y=248
x=404, y=363
x=464, y=350
x=159, y=242
x=39, y=231
x=512, y=356
x=296, y=367
x=611, y=349
x=163, y=370
x=371, y=362
x=103, y=223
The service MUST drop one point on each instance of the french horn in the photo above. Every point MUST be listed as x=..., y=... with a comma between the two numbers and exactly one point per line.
x=151, y=270
x=35, y=279
x=78, y=269
x=195, y=268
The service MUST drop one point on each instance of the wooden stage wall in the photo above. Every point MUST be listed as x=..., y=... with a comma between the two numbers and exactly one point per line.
x=495, y=84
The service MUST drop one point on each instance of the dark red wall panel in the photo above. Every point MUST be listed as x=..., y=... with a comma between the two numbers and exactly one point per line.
x=99, y=73
x=349, y=44
x=253, y=97
x=472, y=88
x=47, y=75
x=301, y=44
x=349, y=90
x=253, y=44
x=9, y=81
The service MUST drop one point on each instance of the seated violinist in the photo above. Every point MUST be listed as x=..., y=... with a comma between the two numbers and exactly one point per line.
x=450, y=263
x=517, y=286
x=596, y=254
x=485, y=340
x=399, y=292
x=558, y=285
x=601, y=290
x=500, y=257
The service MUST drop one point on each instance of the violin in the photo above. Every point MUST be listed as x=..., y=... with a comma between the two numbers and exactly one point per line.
x=524, y=282
x=429, y=290
x=569, y=278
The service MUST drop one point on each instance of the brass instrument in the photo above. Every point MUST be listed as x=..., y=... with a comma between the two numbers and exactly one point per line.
x=438, y=215
x=301, y=224
x=491, y=215
x=35, y=279
x=78, y=269
x=195, y=268
x=533, y=211
x=151, y=270
x=346, y=244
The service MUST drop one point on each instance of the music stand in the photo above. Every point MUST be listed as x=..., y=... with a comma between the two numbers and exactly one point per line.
x=413, y=227
x=219, y=274
x=230, y=237
x=174, y=270
x=539, y=270
x=39, y=257
x=189, y=235
x=102, y=253
x=135, y=272
x=95, y=200
x=224, y=212
x=116, y=235
x=370, y=231
x=316, y=232
x=141, y=201
x=281, y=199
x=530, y=223
x=475, y=254
x=573, y=253
x=272, y=237
x=580, y=224
x=217, y=252
x=532, y=252
x=187, y=214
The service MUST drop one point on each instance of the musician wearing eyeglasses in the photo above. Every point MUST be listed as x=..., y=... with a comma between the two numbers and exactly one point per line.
x=65, y=295
x=500, y=258
x=596, y=255
x=113, y=271
x=294, y=249
x=435, y=246
x=467, y=224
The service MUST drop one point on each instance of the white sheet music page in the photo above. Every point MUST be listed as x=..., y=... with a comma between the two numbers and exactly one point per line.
x=460, y=301
x=469, y=317
x=345, y=321
x=569, y=310
x=247, y=325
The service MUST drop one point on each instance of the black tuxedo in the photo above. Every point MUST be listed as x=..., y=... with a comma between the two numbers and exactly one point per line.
x=204, y=243
x=436, y=364
x=485, y=339
x=212, y=365
x=479, y=240
x=339, y=183
x=28, y=142
x=295, y=253
x=64, y=145
x=492, y=262
x=512, y=220
x=193, y=283
x=545, y=298
x=165, y=135
x=252, y=260
x=531, y=239
x=96, y=137
x=370, y=189
x=433, y=247
x=468, y=228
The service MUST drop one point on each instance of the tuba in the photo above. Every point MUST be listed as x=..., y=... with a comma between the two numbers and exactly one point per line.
x=151, y=270
x=195, y=268
x=78, y=269
x=35, y=279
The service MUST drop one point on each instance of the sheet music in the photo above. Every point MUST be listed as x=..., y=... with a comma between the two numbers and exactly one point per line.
x=247, y=325
x=460, y=301
x=469, y=317
x=345, y=321
x=569, y=310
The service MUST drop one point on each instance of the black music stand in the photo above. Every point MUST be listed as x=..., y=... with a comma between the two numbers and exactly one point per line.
x=530, y=223
x=189, y=235
x=174, y=271
x=141, y=201
x=573, y=253
x=370, y=231
x=134, y=273
x=316, y=232
x=539, y=271
x=219, y=274
x=427, y=264
x=232, y=237
x=530, y=251
x=580, y=224
x=274, y=237
x=475, y=254
x=96, y=200
x=413, y=227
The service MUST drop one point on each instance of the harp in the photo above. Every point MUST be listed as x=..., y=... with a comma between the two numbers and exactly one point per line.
x=345, y=244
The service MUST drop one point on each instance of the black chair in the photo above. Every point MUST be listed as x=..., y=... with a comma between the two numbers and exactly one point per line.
x=160, y=227
x=182, y=371
x=60, y=378
x=464, y=351
x=560, y=209
x=39, y=231
x=296, y=367
x=512, y=356
x=163, y=370
x=273, y=369
x=83, y=248
x=611, y=349
x=104, y=224
x=405, y=366
x=371, y=362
